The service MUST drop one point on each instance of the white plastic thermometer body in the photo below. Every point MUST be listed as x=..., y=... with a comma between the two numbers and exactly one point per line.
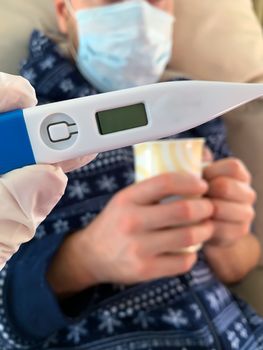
x=64, y=130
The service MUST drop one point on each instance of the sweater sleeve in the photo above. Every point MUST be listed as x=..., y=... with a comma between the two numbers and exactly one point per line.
x=32, y=310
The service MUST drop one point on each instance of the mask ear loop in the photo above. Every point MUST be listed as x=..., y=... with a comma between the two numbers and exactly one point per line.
x=69, y=6
x=71, y=48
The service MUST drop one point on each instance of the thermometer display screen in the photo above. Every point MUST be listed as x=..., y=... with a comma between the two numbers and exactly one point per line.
x=123, y=118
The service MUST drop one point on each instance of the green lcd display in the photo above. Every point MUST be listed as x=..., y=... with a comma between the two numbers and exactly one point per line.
x=123, y=118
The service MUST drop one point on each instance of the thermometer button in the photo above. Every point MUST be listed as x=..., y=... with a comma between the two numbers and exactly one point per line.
x=59, y=132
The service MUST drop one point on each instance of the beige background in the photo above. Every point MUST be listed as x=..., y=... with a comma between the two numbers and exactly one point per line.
x=258, y=4
x=17, y=20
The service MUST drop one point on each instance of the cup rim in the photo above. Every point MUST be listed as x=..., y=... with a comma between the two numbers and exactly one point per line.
x=181, y=140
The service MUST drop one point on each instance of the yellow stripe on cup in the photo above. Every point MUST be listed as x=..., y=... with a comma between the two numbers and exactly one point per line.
x=155, y=158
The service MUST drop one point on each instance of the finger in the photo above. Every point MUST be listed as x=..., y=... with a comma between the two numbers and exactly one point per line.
x=233, y=212
x=172, y=240
x=169, y=265
x=15, y=93
x=207, y=156
x=27, y=93
x=177, y=213
x=36, y=190
x=159, y=187
x=226, y=233
x=73, y=164
x=229, y=167
x=231, y=190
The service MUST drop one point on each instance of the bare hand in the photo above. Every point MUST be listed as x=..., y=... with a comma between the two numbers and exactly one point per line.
x=136, y=238
x=233, y=198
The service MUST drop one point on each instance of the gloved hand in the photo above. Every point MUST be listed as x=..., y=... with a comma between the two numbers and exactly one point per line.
x=16, y=92
x=27, y=195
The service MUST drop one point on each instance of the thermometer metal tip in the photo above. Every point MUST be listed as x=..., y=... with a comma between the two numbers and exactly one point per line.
x=64, y=130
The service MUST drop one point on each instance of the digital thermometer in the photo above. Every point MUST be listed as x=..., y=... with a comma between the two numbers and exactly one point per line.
x=64, y=130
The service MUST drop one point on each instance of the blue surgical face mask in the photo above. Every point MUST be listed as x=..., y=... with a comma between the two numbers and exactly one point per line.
x=123, y=45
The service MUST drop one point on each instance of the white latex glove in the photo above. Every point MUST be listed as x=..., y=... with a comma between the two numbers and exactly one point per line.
x=16, y=92
x=73, y=164
x=27, y=195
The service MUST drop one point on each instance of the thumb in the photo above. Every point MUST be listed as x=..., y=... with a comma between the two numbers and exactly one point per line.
x=36, y=190
x=27, y=197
